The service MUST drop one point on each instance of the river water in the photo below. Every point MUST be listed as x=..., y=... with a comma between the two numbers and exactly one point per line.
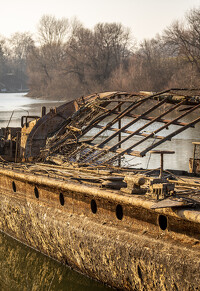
x=22, y=268
x=17, y=105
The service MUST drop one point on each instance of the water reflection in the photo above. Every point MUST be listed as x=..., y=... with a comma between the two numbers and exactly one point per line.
x=22, y=268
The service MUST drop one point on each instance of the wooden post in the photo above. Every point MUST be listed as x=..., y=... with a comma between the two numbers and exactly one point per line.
x=161, y=153
x=16, y=149
x=194, y=165
x=43, y=111
x=119, y=135
x=161, y=165
x=193, y=162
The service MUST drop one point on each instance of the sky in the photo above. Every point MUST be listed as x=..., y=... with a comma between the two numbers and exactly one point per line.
x=145, y=18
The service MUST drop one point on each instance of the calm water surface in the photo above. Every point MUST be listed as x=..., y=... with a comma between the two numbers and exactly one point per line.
x=24, y=269
x=17, y=104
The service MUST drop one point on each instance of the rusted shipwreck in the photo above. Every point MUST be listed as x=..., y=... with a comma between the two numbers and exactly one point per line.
x=68, y=189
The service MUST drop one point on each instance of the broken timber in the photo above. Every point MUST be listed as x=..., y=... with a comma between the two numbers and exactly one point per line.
x=108, y=127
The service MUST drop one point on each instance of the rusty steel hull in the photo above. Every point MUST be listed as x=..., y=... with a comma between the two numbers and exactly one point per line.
x=127, y=249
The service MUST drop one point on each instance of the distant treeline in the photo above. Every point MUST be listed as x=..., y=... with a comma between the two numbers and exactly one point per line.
x=66, y=60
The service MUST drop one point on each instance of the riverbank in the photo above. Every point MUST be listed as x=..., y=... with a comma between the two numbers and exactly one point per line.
x=63, y=96
x=14, y=91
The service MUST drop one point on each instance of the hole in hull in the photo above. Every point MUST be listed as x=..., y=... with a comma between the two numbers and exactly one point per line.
x=36, y=192
x=162, y=221
x=119, y=212
x=61, y=198
x=14, y=186
x=93, y=206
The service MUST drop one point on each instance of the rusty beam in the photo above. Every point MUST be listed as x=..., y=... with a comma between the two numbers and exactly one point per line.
x=132, y=122
x=148, y=124
x=129, y=109
x=161, y=120
x=171, y=135
x=124, y=131
x=128, y=151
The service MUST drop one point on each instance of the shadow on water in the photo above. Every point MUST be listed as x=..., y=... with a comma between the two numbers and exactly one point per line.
x=22, y=268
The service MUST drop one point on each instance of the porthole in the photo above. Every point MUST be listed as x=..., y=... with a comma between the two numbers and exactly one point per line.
x=119, y=212
x=61, y=198
x=93, y=206
x=14, y=186
x=162, y=221
x=36, y=191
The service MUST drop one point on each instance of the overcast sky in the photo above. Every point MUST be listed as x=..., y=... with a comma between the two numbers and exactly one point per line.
x=146, y=18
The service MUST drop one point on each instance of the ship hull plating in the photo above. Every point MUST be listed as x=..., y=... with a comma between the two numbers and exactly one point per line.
x=127, y=251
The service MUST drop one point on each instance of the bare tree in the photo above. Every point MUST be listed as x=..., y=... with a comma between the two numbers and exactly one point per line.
x=112, y=47
x=52, y=30
x=96, y=53
x=48, y=57
x=185, y=38
x=20, y=45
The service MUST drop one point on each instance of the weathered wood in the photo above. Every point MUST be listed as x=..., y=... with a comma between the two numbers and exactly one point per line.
x=169, y=203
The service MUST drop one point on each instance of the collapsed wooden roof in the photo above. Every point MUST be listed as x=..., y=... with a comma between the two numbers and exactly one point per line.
x=108, y=126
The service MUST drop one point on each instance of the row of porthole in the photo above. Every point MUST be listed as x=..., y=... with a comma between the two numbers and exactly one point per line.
x=93, y=205
x=118, y=210
x=162, y=219
x=35, y=189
